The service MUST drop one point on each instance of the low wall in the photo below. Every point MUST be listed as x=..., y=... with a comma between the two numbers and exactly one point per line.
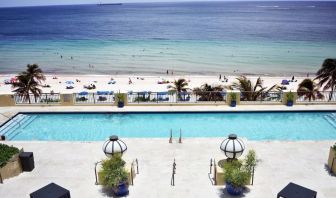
x=332, y=160
x=67, y=100
x=7, y=100
x=11, y=169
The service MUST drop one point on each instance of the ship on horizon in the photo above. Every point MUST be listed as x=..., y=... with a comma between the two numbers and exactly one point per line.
x=108, y=4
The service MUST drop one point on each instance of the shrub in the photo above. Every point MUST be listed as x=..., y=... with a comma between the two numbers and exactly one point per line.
x=250, y=161
x=238, y=172
x=6, y=153
x=120, y=97
x=113, y=171
x=233, y=96
x=290, y=96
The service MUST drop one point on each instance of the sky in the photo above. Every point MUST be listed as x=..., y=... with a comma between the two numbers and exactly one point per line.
x=16, y=3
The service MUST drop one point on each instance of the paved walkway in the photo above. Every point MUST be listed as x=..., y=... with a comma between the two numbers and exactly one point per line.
x=71, y=164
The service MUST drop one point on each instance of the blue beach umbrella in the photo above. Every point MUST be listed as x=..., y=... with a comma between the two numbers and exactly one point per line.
x=104, y=92
x=83, y=93
x=69, y=82
x=162, y=93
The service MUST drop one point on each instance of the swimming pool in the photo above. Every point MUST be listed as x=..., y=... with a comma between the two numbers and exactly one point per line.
x=99, y=126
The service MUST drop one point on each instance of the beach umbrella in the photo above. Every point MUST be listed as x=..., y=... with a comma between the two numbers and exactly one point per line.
x=69, y=82
x=113, y=146
x=13, y=79
x=162, y=93
x=83, y=93
x=232, y=147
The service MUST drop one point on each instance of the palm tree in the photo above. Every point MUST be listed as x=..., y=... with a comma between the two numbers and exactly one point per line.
x=309, y=90
x=179, y=85
x=249, y=91
x=327, y=75
x=34, y=73
x=29, y=82
x=209, y=93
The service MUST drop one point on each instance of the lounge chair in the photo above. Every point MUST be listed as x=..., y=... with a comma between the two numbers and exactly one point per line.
x=51, y=190
x=91, y=86
x=102, y=98
x=296, y=191
x=112, y=82
x=7, y=82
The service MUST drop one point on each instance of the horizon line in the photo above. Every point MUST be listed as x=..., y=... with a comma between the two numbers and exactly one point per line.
x=168, y=1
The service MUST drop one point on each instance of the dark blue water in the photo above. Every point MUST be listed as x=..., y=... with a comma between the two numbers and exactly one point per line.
x=252, y=37
x=281, y=21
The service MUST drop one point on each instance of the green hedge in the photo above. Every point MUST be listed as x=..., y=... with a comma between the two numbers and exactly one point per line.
x=6, y=153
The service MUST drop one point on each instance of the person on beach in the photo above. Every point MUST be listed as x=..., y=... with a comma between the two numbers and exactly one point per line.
x=220, y=76
x=293, y=79
x=129, y=81
x=167, y=72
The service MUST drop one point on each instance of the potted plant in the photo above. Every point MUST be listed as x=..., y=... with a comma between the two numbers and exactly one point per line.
x=290, y=99
x=114, y=175
x=238, y=173
x=120, y=99
x=233, y=97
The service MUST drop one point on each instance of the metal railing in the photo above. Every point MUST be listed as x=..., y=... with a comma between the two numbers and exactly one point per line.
x=275, y=97
x=45, y=98
x=172, y=97
x=317, y=97
x=261, y=97
x=150, y=97
x=94, y=98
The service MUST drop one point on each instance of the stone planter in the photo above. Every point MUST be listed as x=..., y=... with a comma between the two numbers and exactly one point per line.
x=11, y=169
x=332, y=160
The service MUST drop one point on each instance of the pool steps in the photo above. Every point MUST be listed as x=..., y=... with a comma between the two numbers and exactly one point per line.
x=331, y=119
x=18, y=122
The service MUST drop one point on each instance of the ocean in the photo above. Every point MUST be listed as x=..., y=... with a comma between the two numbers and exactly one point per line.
x=196, y=38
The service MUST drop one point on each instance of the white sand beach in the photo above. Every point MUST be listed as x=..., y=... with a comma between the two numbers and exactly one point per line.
x=139, y=83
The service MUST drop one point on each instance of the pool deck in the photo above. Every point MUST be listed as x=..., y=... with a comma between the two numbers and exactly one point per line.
x=71, y=164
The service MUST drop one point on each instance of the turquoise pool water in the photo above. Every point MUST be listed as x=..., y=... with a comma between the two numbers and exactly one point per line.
x=99, y=126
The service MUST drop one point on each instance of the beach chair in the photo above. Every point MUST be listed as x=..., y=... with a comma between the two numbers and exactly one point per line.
x=111, y=82
x=296, y=191
x=51, y=190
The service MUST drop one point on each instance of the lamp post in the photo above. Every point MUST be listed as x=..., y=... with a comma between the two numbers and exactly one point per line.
x=232, y=147
x=113, y=146
x=110, y=147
